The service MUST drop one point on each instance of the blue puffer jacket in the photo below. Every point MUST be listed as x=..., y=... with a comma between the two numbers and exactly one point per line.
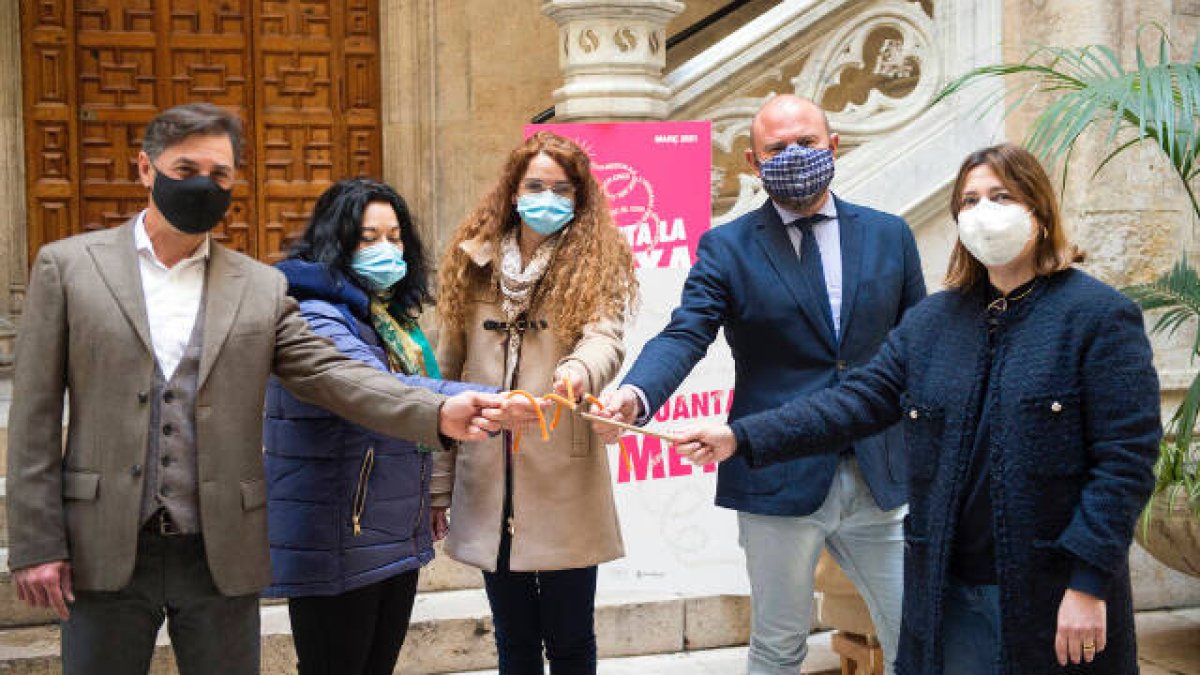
x=319, y=466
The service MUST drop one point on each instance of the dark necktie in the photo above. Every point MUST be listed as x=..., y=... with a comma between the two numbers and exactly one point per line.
x=810, y=264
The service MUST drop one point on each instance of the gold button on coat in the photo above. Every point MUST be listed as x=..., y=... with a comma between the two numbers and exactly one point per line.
x=1056, y=407
x=913, y=414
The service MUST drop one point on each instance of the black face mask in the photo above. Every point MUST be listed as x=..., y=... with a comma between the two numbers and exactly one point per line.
x=193, y=205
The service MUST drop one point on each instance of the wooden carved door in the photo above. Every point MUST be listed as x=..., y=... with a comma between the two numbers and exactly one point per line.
x=302, y=74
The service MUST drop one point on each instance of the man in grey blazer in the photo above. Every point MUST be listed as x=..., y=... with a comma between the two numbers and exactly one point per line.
x=163, y=341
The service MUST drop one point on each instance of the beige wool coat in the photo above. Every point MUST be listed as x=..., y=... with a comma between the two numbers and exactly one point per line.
x=563, y=511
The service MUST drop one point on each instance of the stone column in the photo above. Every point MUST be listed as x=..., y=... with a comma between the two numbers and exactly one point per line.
x=612, y=55
x=13, y=257
x=406, y=56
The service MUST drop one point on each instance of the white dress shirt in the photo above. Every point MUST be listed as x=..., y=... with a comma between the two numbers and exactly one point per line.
x=829, y=243
x=172, y=297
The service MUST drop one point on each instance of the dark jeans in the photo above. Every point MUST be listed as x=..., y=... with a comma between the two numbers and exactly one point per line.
x=530, y=609
x=113, y=633
x=970, y=629
x=357, y=632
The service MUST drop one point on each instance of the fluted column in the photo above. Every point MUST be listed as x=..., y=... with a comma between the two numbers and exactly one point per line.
x=612, y=54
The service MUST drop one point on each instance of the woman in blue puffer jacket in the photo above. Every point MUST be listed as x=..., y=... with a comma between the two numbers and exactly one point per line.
x=348, y=508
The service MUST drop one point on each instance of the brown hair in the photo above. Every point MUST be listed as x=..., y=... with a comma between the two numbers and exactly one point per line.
x=591, y=275
x=1029, y=184
x=173, y=125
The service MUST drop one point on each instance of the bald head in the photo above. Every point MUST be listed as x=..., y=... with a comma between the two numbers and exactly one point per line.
x=787, y=119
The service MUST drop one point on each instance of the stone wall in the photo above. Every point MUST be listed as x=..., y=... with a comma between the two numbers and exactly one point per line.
x=1133, y=218
x=463, y=78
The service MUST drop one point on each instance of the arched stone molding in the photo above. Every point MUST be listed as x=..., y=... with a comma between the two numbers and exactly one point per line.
x=895, y=150
x=907, y=50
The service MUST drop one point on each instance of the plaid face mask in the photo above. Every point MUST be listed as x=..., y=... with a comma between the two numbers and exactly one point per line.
x=798, y=174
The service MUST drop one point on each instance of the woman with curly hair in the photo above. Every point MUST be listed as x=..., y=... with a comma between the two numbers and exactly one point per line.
x=533, y=294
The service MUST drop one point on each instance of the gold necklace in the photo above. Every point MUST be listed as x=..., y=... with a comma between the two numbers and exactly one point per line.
x=1000, y=304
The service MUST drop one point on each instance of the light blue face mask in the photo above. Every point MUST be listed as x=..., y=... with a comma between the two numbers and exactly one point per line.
x=381, y=265
x=545, y=211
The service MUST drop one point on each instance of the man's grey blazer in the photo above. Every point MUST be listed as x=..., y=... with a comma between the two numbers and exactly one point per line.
x=84, y=331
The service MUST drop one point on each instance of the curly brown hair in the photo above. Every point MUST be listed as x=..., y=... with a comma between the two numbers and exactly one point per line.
x=592, y=273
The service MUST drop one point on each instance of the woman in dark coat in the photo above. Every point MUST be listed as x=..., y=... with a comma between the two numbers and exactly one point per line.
x=1031, y=416
x=349, y=519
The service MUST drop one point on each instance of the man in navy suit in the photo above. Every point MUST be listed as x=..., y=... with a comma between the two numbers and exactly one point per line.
x=806, y=288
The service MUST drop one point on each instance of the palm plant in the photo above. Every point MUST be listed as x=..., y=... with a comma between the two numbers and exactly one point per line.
x=1157, y=103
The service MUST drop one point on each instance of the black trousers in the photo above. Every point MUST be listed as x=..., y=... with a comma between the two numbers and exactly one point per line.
x=112, y=633
x=531, y=609
x=359, y=632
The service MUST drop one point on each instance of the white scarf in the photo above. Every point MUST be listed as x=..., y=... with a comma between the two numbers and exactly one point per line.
x=516, y=288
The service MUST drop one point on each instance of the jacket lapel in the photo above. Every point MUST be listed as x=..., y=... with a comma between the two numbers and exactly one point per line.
x=852, y=236
x=773, y=238
x=225, y=284
x=117, y=261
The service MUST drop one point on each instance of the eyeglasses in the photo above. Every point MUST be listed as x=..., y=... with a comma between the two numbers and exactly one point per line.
x=560, y=188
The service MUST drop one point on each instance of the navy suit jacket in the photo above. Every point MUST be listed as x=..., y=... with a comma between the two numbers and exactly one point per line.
x=748, y=280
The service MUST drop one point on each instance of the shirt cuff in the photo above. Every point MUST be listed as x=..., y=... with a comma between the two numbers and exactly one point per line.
x=1086, y=578
x=643, y=417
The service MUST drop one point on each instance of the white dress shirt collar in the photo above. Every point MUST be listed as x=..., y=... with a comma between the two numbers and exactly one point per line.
x=828, y=209
x=141, y=241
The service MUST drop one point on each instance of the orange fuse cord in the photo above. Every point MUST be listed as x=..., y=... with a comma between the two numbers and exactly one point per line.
x=560, y=402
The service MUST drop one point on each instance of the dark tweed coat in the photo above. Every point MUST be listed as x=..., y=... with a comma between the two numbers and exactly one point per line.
x=1074, y=437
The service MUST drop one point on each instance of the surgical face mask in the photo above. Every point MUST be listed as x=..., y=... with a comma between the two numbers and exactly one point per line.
x=797, y=175
x=545, y=211
x=995, y=233
x=381, y=265
x=193, y=205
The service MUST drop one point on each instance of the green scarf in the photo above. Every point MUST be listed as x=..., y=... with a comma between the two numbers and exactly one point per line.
x=408, y=350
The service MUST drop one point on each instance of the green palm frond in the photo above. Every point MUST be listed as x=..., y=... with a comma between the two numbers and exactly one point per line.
x=1177, y=293
x=1159, y=102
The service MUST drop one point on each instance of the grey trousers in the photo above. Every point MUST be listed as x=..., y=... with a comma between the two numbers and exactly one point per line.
x=781, y=556
x=113, y=633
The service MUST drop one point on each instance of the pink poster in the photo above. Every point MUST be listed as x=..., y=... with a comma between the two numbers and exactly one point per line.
x=657, y=176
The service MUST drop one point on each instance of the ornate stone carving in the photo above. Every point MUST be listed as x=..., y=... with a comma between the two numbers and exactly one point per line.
x=589, y=41
x=625, y=39
x=876, y=72
x=617, y=77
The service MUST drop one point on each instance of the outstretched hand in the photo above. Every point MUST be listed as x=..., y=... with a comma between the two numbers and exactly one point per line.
x=466, y=416
x=516, y=411
x=706, y=443
x=621, y=405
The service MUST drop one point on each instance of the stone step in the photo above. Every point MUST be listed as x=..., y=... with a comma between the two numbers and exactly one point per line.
x=443, y=574
x=821, y=660
x=451, y=631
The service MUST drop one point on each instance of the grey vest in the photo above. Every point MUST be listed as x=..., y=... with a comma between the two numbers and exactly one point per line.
x=172, y=480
